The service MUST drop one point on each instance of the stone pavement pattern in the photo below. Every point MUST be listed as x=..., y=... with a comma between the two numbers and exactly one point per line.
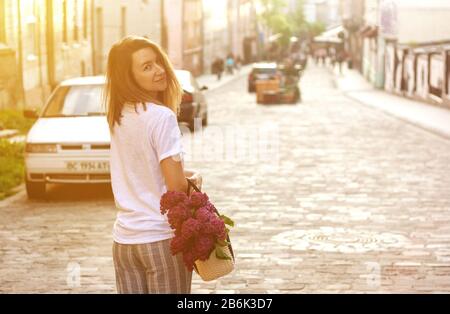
x=354, y=201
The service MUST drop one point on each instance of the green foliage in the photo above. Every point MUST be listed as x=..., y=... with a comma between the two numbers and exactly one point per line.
x=288, y=25
x=220, y=253
x=14, y=119
x=11, y=166
x=227, y=220
x=316, y=28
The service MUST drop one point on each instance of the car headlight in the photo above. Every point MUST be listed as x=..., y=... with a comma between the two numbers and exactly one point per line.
x=40, y=148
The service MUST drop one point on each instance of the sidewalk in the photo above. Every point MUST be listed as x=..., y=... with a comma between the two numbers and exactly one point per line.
x=212, y=83
x=426, y=116
x=8, y=133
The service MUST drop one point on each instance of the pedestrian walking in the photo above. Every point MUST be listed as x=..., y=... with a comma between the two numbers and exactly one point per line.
x=230, y=63
x=322, y=55
x=238, y=63
x=341, y=57
x=218, y=67
x=142, y=96
x=333, y=56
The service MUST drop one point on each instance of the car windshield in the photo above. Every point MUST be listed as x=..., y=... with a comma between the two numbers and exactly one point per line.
x=184, y=78
x=75, y=101
x=264, y=70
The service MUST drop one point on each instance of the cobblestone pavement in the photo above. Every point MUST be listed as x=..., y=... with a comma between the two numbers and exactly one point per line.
x=348, y=200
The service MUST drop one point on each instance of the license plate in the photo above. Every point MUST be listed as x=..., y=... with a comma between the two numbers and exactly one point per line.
x=83, y=166
x=263, y=76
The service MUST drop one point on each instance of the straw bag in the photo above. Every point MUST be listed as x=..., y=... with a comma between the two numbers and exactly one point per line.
x=213, y=268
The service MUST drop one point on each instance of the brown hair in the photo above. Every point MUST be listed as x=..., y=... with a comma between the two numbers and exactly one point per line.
x=121, y=87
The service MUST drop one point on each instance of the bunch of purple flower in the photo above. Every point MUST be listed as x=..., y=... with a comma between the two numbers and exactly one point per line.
x=199, y=230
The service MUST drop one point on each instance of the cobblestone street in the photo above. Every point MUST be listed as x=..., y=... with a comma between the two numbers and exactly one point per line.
x=350, y=200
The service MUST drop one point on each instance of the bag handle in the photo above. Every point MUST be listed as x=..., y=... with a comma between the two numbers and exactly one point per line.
x=190, y=183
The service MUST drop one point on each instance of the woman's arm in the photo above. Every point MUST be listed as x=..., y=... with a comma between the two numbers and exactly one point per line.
x=172, y=170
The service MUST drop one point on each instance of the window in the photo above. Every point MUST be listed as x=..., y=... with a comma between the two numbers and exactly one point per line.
x=65, y=37
x=81, y=100
x=85, y=19
x=31, y=35
x=76, y=26
x=31, y=30
x=99, y=29
x=2, y=21
x=448, y=72
x=123, y=22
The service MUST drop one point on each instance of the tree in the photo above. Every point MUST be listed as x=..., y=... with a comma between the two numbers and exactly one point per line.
x=277, y=17
x=315, y=29
x=297, y=20
x=273, y=18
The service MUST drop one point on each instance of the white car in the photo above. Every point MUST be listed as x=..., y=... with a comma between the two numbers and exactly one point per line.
x=70, y=141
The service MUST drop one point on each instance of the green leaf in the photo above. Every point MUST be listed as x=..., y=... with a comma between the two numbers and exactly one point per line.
x=223, y=243
x=227, y=220
x=220, y=254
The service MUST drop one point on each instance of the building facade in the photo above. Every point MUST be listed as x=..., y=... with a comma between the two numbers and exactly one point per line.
x=215, y=24
x=42, y=42
x=352, y=15
x=193, y=36
x=372, y=62
x=323, y=11
x=242, y=29
x=183, y=26
x=417, y=62
x=409, y=59
x=127, y=17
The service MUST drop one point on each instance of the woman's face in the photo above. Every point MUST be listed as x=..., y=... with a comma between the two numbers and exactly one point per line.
x=148, y=73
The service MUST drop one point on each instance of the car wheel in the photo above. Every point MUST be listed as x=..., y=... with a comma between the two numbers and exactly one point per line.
x=205, y=119
x=299, y=99
x=298, y=96
x=35, y=190
x=191, y=125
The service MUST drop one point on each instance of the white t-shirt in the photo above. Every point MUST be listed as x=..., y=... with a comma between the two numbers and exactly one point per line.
x=138, y=146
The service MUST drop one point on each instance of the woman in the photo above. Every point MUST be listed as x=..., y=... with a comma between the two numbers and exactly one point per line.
x=142, y=98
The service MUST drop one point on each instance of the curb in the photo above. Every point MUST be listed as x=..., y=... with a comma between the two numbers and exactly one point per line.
x=243, y=72
x=18, y=193
x=5, y=134
x=425, y=127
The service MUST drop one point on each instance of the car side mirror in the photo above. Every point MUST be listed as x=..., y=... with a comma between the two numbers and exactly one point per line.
x=30, y=113
x=204, y=87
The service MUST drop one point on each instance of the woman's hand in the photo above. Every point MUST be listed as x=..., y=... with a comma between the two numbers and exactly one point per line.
x=195, y=177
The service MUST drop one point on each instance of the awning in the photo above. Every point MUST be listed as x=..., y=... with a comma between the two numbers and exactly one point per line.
x=332, y=35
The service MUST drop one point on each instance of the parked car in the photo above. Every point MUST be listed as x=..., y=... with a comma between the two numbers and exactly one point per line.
x=262, y=71
x=193, y=104
x=70, y=141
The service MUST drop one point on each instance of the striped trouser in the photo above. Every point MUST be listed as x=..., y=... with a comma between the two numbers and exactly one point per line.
x=150, y=268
